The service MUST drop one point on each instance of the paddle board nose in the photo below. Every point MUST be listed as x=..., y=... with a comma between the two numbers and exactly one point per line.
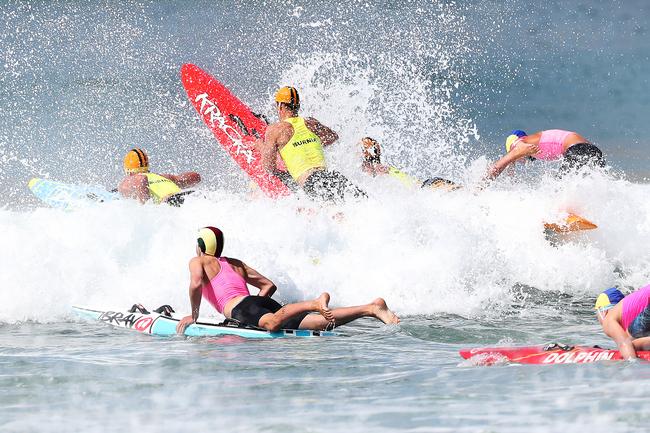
x=571, y=223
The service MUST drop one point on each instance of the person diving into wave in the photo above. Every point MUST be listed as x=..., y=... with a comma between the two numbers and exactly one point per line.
x=373, y=166
x=142, y=185
x=572, y=149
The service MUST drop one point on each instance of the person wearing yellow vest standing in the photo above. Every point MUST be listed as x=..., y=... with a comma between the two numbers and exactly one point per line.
x=143, y=185
x=299, y=142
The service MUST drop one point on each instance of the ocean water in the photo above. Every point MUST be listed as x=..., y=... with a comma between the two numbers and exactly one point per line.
x=440, y=84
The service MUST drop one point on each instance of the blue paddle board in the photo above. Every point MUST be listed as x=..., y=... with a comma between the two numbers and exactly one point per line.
x=68, y=196
x=164, y=323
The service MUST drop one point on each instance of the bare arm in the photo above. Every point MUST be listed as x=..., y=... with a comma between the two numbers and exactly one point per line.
x=136, y=187
x=522, y=150
x=327, y=136
x=615, y=331
x=268, y=148
x=196, y=281
x=254, y=278
x=641, y=343
x=184, y=180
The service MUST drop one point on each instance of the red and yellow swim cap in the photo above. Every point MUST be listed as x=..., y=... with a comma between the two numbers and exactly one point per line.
x=210, y=241
x=371, y=149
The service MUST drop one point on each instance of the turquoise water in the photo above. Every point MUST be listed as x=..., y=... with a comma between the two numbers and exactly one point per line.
x=439, y=84
x=85, y=376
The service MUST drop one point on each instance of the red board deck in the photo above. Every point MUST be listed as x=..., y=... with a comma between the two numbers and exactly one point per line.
x=548, y=354
x=232, y=123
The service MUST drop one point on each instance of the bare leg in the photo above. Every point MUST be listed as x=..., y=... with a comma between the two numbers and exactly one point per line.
x=377, y=309
x=273, y=321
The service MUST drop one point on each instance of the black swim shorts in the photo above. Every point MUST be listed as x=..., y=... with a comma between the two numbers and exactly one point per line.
x=251, y=309
x=177, y=199
x=580, y=155
x=437, y=182
x=331, y=186
x=287, y=180
x=640, y=326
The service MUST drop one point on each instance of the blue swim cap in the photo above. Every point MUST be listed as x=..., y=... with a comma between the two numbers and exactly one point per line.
x=518, y=132
x=608, y=299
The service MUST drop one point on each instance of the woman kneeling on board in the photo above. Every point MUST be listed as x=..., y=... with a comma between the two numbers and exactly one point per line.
x=223, y=281
x=553, y=144
x=626, y=319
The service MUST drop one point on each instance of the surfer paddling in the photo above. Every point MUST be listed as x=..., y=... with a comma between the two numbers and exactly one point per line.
x=626, y=319
x=223, y=282
x=299, y=143
x=143, y=185
x=373, y=166
x=573, y=149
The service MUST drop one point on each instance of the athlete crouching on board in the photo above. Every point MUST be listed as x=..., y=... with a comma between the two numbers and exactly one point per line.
x=626, y=319
x=372, y=165
x=143, y=185
x=553, y=144
x=223, y=282
x=299, y=142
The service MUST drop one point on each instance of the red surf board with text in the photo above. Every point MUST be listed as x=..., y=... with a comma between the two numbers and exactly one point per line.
x=549, y=354
x=232, y=123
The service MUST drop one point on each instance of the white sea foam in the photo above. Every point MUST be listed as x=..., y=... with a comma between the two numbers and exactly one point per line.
x=424, y=251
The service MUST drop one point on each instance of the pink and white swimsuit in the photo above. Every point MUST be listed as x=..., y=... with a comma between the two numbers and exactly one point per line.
x=551, y=144
x=224, y=286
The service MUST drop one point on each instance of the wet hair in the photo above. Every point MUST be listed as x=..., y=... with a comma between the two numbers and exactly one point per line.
x=291, y=107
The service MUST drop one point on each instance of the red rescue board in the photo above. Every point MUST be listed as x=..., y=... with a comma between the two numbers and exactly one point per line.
x=232, y=123
x=549, y=354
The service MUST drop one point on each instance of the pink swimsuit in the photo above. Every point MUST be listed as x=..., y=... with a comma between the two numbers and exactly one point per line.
x=224, y=286
x=634, y=305
x=551, y=144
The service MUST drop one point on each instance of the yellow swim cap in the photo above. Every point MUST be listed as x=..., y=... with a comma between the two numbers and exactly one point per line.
x=510, y=141
x=136, y=161
x=210, y=241
x=288, y=95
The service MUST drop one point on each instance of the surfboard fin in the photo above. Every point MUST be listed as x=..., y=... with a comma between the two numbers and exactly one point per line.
x=139, y=308
x=165, y=310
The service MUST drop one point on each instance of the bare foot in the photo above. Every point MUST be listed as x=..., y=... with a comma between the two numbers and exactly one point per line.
x=382, y=312
x=322, y=306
